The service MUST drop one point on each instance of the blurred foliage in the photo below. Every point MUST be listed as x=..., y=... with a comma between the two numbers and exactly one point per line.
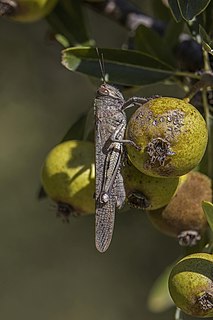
x=208, y=209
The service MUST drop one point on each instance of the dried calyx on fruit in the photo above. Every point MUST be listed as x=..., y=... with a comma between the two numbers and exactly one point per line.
x=183, y=217
x=172, y=135
x=146, y=192
x=191, y=284
x=68, y=178
x=26, y=10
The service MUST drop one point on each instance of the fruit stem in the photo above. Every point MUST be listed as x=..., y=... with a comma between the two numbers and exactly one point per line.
x=178, y=314
x=207, y=65
x=206, y=80
x=187, y=74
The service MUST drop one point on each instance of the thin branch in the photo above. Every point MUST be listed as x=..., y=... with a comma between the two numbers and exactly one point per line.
x=206, y=80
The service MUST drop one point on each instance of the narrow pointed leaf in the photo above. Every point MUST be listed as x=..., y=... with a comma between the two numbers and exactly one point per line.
x=208, y=14
x=206, y=41
x=160, y=10
x=174, y=6
x=41, y=194
x=191, y=8
x=67, y=19
x=172, y=33
x=150, y=42
x=208, y=209
x=126, y=67
x=76, y=132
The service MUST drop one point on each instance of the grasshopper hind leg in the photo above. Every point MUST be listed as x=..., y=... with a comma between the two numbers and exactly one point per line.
x=120, y=193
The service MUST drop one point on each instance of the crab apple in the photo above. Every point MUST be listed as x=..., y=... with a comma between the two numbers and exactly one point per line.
x=191, y=284
x=183, y=217
x=146, y=192
x=172, y=135
x=68, y=177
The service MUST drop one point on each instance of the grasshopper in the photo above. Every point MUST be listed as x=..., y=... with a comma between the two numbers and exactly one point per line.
x=110, y=126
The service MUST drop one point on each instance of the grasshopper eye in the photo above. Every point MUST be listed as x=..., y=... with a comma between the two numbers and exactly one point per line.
x=103, y=91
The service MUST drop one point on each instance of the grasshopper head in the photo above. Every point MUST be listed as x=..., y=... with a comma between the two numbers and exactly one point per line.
x=109, y=91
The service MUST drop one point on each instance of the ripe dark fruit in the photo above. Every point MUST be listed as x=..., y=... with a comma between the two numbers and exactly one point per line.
x=183, y=217
x=145, y=192
x=26, y=10
x=172, y=135
x=68, y=177
x=191, y=284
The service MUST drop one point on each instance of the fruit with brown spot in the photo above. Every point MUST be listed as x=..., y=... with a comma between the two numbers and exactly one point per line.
x=183, y=217
x=146, y=192
x=172, y=135
x=191, y=284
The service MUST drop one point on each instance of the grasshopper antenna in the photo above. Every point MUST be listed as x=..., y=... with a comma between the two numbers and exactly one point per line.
x=101, y=64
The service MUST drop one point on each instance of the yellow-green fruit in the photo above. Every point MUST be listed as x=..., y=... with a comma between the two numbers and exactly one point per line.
x=183, y=217
x=26, y=10
x=145, y=192
x=68, y=177
x=191, y=284
x=172, y=135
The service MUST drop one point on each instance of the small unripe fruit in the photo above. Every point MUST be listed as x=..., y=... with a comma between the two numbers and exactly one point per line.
x=191, y=284
x=145, y=192
x=26, y=10
x=172, y=135
x=183, y=217
x=68, y=177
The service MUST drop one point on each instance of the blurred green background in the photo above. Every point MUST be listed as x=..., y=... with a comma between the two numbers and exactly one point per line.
x=50, y=270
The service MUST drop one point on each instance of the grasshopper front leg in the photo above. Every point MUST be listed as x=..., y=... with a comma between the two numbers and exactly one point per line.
x=134, y=101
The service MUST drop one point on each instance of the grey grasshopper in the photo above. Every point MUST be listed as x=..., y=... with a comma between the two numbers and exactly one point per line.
x=110, y=125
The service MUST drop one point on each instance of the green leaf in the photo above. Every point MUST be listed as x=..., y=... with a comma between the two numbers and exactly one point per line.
x=82, y=129
x=76, y=131
x=159, y=298
x=126, y=67
x=150, y=42
x=41, y=194
x=188, y=9
x=160, y=11
x=173, y=30
x=174, y=6
x=208, y=209
x=67, y=19
x=62, y=40
x=206, y=41
x=191, y=8
x=208, y=21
